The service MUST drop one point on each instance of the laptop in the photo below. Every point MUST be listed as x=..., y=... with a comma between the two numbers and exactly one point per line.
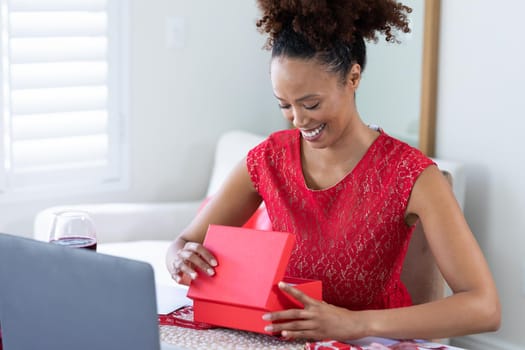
x=60, y=298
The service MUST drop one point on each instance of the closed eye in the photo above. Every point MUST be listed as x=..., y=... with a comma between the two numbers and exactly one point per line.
x=284, y=106
x=312, y=106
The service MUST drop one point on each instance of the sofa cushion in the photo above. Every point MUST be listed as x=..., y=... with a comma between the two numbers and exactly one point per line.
x=232, y=147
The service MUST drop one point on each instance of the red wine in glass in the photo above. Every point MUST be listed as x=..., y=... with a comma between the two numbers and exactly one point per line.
x=73, y=228
x=77, y=242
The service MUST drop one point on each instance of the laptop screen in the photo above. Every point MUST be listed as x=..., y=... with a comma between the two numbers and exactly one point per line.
x=54, y=297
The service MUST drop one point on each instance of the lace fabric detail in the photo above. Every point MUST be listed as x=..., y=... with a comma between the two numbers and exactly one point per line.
x=351, y=236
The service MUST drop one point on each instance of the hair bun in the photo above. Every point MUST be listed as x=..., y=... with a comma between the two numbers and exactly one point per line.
x=324, y=22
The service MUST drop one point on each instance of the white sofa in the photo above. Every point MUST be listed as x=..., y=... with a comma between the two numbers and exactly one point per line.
x=143, y=231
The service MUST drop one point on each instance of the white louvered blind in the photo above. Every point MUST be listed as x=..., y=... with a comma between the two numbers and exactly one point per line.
x=63, y=92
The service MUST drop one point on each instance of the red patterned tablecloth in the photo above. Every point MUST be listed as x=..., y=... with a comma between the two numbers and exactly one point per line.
x=223, y=338
x=179, y=328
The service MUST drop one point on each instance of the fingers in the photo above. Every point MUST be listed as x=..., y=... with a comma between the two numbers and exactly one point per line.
x=293, y=329
x=295, y=323
x=181, y=278
x=296, y=293
x=184, y=266
x=199, y=249
x=290, y=314
x=192, y=257
x=197, y=256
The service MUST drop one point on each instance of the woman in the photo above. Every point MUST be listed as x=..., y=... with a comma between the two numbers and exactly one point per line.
x=350, y=193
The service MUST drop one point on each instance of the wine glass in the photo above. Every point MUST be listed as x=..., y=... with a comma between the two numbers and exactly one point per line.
x=73, y=228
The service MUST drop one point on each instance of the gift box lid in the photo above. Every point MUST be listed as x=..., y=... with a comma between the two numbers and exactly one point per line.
x=251, y=263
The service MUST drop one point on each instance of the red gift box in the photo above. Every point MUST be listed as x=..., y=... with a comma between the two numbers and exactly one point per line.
x=244, y=287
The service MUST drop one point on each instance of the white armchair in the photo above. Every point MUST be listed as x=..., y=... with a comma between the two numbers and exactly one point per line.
x=143, y=231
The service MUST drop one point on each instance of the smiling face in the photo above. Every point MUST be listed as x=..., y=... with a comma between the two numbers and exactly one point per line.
x=315, y=100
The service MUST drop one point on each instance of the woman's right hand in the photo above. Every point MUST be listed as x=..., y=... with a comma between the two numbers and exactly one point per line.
x=187, y=262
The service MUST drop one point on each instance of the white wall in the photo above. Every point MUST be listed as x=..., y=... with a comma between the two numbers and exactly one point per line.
x=181, y=100
x=481, y=121
x=390, y=88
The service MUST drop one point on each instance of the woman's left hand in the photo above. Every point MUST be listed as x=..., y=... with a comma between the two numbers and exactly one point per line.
x=318, y=320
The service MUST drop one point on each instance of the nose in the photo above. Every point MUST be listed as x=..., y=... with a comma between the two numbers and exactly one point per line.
x=296, y=117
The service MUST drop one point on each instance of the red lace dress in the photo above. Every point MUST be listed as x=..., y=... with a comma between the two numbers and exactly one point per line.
x=351, y=236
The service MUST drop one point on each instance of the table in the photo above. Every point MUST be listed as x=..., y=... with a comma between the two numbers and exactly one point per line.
x=170, y=296
x=177, y=338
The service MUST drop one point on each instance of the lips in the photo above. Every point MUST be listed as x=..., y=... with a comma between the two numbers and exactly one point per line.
x=312, y=133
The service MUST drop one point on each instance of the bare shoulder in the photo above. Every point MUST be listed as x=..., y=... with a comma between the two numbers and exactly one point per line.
x=432, y=194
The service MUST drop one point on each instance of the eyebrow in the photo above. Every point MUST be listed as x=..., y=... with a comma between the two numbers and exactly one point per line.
x=306, y=97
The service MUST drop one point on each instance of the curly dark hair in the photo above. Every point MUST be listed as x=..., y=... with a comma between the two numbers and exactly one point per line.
x=333, y=31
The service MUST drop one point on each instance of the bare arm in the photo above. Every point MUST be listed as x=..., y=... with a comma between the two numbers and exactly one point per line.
x=233, y=205
x=473, y=308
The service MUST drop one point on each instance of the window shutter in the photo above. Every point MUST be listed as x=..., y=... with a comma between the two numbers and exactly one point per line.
x=63, y=92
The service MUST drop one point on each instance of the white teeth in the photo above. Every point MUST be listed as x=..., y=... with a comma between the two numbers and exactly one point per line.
x=313, y=133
